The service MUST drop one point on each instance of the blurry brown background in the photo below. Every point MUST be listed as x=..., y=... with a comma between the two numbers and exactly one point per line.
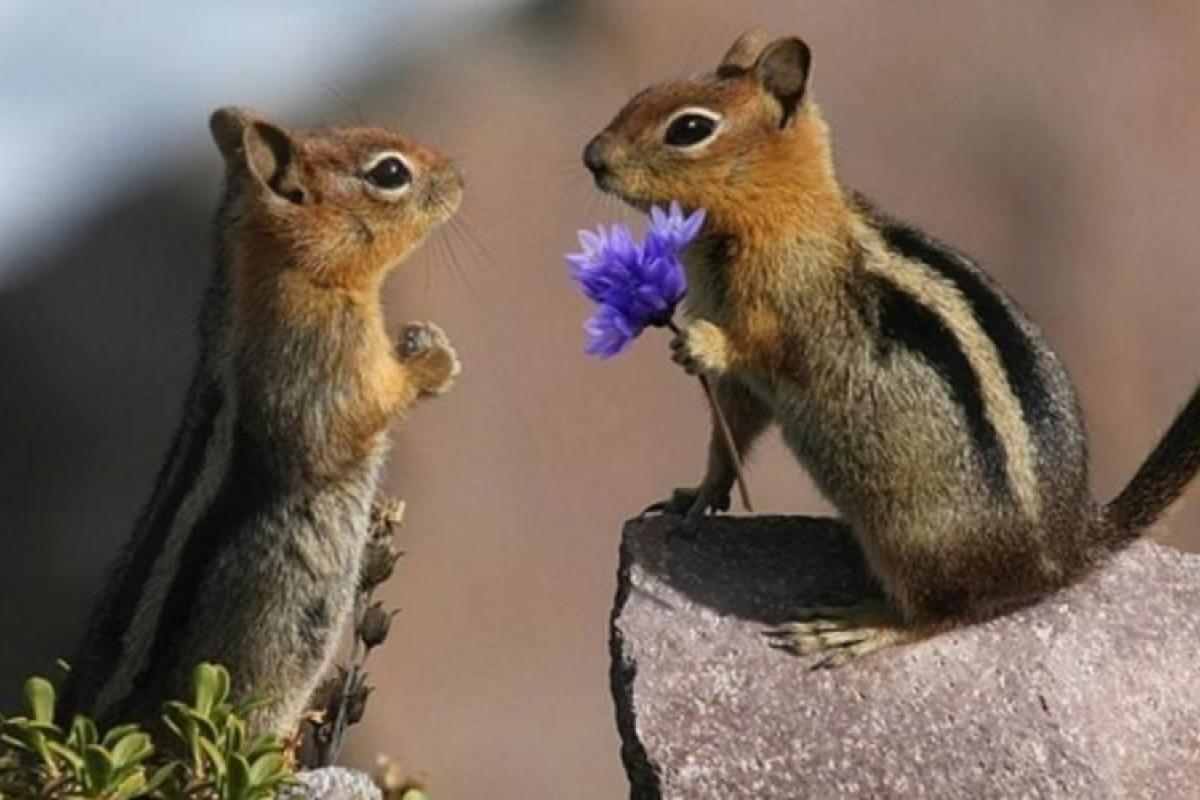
x=1057, y=142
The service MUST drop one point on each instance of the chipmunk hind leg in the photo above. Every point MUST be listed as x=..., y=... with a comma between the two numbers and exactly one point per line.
x=842, y=634
x=927, y=589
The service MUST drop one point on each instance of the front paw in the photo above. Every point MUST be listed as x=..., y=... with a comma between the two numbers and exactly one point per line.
x=691, y=505
x=701, y=348
x=431, y=361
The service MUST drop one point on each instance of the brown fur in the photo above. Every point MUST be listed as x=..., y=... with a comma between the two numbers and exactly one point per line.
x=248, y=552
x=313, y=271
x=811, y=309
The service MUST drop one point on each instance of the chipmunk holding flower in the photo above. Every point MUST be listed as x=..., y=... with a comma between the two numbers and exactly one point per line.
x=248, y=552
x=923, y=402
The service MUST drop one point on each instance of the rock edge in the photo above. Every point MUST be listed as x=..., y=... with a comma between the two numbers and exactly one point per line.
x=1090, y=693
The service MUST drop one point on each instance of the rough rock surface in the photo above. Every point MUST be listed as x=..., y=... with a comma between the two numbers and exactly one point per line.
x=1093, y=693
x=335, y=783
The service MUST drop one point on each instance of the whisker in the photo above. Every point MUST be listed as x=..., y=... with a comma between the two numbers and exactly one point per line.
x=462, y=227
x=451, y=232
x=430, y=268
x=437, y=251
x=446, y=259
x=353, y=107
x=449, y=261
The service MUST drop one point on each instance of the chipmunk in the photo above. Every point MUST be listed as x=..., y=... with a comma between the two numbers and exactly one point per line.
x=248, y=551
x=923, y=402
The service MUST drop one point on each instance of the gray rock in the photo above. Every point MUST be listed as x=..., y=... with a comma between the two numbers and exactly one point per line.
x=1092, y=693
x=335, y=783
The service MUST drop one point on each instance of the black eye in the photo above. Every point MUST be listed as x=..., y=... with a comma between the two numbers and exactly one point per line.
x=389, y=173
x=689, y=129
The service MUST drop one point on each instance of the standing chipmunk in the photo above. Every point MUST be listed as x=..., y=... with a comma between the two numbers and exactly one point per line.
x=248, y=551
x=924, y=403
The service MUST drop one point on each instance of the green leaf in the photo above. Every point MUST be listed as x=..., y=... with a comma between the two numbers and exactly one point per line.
x=162, y=776
x=66, y=754
x=16, y=740
x=214, y=756
x=178, y=718
x=238, y=786
x=177, y=721
x=132, y=785
x=117, y=733
x=268, y=770
x=39, y=693
x=235, y=735
x=414, y=794
x=37, y=743
x=265, y=743
x=223, y=682
x=131, y=749
x=46, y=728
x=205, y=725
x=99, y=765
x=204, y=689
x=210, y=686
x=83, y=732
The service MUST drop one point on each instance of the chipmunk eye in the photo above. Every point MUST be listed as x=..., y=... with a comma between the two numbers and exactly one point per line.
x=389, y=172
x=690, y=128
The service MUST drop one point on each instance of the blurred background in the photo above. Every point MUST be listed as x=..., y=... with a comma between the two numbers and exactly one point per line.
x=1058, y=143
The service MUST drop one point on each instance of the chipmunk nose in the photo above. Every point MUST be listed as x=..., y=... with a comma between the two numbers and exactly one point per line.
x=593, y=157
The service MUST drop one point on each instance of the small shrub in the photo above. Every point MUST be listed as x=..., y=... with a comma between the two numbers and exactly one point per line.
x=207, y=755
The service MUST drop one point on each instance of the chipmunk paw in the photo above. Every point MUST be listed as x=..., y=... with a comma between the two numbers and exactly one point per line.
x=701, y=348
x=690, y=506
x=426, y=351
x=839, y=634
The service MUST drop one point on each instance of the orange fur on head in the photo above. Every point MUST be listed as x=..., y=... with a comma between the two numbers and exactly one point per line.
x=305, y=197
x=771, y=150
x=309, y=233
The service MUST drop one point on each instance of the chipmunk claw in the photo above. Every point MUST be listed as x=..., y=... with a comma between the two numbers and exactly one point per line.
x=701, y=349
x=682, y=355
x=690, y=506
x=417, y=338
x=654, y=508
x=838, y=634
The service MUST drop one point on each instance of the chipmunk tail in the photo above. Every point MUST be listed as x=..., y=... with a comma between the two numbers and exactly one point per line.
x=1160, y=480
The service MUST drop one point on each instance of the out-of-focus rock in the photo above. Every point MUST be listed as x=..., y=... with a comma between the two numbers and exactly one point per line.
x=335, y=783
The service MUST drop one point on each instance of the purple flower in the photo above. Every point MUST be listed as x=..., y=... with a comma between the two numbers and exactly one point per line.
x=635, y=284
x=670, y=230
x=609, y=332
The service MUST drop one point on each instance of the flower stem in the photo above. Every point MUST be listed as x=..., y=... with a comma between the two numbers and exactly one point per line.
x=726, y=431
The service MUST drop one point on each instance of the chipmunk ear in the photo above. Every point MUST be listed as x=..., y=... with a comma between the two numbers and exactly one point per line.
x=782, y=69
x=267, y=151
x=742, y=56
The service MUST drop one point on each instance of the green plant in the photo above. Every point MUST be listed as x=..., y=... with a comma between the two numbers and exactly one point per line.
x=40, y=759
x=218, y=759
x=207, y=753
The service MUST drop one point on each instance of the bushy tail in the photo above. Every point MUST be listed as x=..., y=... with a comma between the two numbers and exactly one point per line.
x=1162, y=478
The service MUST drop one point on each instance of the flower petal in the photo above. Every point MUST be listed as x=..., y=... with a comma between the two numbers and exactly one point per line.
x=610, y=332
x=635, y=284
x=691, y=226
x=592, y=241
